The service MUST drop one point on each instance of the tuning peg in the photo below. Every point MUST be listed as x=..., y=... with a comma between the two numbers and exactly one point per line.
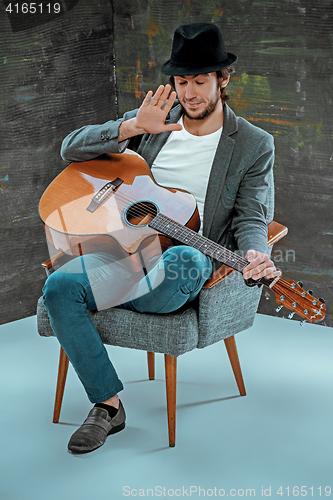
x=290, y=315
x=321, y=300
x=310, y=292
x=300, y=283
x=278, y=309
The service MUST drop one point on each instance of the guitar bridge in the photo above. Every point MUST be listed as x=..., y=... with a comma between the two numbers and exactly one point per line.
x=103, y=194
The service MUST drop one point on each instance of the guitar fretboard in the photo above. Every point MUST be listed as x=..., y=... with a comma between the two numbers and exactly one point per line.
x=183, y=234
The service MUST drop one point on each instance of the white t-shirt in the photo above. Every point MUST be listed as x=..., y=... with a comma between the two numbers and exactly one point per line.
x=185, y=162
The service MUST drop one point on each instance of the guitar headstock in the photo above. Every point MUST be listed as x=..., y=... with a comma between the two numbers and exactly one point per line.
x=292, y=296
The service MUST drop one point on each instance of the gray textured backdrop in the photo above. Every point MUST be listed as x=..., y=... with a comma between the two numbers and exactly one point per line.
x=98, y=58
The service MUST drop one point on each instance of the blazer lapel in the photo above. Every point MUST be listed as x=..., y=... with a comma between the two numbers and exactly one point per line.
x=219, y=168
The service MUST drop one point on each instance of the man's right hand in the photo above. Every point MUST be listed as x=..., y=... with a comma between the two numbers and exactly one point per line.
x=151, y=115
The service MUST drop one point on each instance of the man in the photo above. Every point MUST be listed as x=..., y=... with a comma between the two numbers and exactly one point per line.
x=196, y=144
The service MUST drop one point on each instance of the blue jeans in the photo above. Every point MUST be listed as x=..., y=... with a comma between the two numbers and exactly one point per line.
x=95, y=282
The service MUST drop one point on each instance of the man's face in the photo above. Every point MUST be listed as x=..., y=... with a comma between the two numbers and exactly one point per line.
x=198, y=95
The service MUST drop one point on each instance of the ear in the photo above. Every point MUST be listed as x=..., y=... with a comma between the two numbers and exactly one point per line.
x=225, y=81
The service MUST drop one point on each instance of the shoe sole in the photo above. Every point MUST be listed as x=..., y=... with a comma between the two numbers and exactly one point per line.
x=114, y=430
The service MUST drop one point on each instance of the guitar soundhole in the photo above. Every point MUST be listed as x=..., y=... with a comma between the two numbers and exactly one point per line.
x=141, y=213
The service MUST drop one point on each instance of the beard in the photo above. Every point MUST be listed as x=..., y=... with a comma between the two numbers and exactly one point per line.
x=207, y=111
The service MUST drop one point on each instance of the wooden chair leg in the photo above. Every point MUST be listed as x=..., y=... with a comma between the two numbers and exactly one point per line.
x=171, y=383
x=62, y=374
x=151, y=365
x=230, y=344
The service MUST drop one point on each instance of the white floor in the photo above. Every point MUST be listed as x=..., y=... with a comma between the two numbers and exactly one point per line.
x=277, y=439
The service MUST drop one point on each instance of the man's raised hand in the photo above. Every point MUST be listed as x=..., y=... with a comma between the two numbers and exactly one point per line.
x=154, y=110
x=151, y=115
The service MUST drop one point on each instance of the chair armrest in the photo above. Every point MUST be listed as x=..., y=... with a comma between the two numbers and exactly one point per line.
x=53, y=263
x=218, y=275
x=276, y=231
x=228, y=308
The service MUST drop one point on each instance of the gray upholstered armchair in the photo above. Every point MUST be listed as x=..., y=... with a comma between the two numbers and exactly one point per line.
x=211, y=318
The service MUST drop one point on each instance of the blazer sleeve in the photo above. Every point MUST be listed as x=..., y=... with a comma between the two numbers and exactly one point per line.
x=254, y=205
x=91, y=141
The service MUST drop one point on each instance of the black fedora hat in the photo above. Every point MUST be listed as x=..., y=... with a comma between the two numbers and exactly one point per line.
x=197, y=48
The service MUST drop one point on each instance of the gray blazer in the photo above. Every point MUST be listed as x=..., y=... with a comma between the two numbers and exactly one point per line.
x=240, y=194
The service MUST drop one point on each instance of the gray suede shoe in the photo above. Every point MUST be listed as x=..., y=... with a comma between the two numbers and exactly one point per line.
x=95, y=429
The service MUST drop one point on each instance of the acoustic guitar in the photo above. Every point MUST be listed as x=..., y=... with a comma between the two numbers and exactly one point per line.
x=113, y=204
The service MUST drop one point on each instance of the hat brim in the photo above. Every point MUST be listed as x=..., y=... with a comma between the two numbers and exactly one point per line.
x=171, y=69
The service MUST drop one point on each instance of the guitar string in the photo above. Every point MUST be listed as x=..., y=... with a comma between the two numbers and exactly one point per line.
x=144, y=211
x=231, y=256
x=170, y=222
x=177, y=230
x=277, y=284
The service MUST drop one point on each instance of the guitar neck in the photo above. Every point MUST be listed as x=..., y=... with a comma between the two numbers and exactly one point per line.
x=183, y=234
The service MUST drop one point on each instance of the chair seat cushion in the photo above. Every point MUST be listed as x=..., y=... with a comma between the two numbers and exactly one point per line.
x=172, y=333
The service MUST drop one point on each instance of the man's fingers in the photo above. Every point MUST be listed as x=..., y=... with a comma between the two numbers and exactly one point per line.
x=154, y=109
x=259, y=262
x=268, y=272
x=251, y=254
x=253, y=269
x=274, y=274
x=174, y=127
x=259, y=266
x=256, y=273
x=162, y=99
x=169, y=102
x=255, y=259
x=146, y=100
x=160, y=96
x=165, y=93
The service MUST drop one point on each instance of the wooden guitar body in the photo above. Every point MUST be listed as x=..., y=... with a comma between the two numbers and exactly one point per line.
x=119, y=223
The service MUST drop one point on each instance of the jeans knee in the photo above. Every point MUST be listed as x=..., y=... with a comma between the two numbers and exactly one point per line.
x=51, y=288
x=187, y=264
x=58, y=287
x=184, y=254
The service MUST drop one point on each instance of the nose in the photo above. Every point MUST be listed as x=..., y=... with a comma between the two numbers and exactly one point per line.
x=190, y=91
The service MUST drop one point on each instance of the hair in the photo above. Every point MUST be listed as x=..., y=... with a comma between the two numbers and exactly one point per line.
x=221, y=75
